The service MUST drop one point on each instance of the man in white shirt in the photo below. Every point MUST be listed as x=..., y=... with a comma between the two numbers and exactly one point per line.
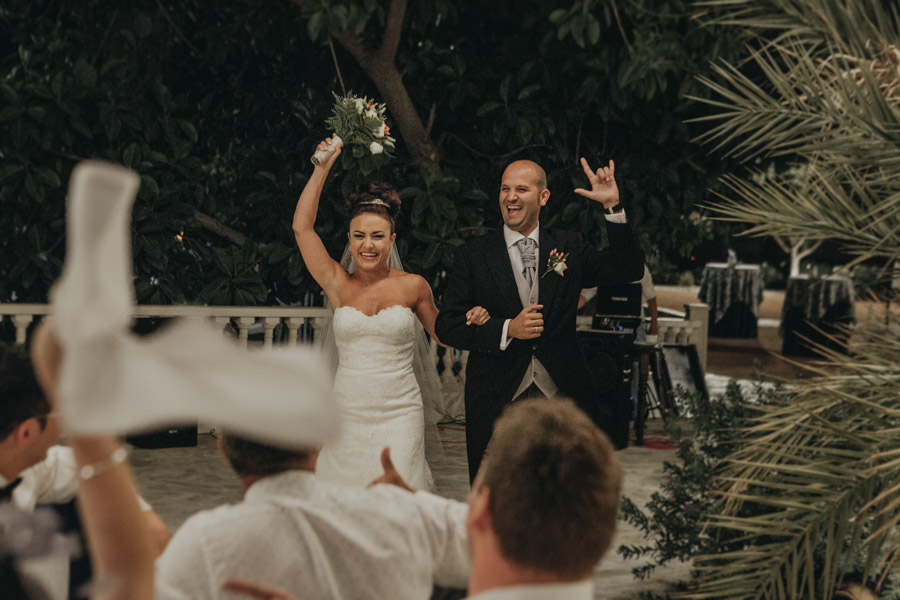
x=316, y=539
x=33, y=468
x=541, y=514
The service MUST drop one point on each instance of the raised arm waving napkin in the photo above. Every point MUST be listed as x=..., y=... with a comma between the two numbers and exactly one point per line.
x=114, y=382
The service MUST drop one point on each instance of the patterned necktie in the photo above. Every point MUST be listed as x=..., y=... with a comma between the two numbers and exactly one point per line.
x=529, y=261
x=7, y=490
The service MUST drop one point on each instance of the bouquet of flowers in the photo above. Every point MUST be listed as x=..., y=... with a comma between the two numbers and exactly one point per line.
x=359, y=122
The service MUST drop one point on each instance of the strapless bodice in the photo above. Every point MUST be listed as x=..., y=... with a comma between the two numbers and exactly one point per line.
x=377, y=343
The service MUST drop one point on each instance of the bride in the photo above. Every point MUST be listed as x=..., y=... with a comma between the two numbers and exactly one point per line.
x=376, y=309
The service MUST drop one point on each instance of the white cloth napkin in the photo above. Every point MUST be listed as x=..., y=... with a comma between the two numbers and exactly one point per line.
x=115, y=382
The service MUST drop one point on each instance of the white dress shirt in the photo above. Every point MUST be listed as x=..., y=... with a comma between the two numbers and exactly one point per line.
x=320, y=540
x=51, y=481
x=536, y=373
x=54, y=480
x=580, y=590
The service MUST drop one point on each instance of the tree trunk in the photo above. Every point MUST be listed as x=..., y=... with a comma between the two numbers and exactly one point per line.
x=410, y=127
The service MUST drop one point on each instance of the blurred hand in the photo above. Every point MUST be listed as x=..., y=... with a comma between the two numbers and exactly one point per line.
x=47, y=357
x=477, y=316
x=390, y=475
x=255, y=590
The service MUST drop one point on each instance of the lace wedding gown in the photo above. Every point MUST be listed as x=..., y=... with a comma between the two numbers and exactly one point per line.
x=381, y=404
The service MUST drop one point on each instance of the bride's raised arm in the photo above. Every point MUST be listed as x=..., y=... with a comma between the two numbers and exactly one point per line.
x=327, y=272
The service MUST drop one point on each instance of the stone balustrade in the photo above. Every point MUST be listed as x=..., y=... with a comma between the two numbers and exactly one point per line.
x=300, y=322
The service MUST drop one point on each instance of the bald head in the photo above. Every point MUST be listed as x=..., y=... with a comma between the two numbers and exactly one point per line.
x=529, y=166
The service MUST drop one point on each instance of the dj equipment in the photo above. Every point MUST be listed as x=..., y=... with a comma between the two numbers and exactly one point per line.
x=169, y=437
x=609, y=356
x=618, y=308
x=609, y=349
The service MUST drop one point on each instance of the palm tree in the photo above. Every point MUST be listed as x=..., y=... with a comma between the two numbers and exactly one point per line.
x=821, y=88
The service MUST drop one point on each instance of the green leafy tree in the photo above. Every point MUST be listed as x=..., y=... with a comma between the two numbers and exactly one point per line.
x=219, y=109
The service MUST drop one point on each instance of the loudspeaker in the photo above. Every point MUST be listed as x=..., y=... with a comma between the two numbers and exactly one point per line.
x=170, y=437
x=608, y=355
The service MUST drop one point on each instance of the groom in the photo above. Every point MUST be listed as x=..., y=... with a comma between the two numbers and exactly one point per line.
x=528, y=348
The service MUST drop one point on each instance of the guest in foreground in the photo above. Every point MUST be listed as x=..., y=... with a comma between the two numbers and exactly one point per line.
x=317, y=539
x=120, y=540
x=34, y=468
x=542, y=512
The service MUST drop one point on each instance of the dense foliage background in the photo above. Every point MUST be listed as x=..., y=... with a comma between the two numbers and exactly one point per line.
x=219, y=106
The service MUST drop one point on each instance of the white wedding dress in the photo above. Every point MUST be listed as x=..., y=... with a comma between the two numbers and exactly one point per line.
x=380, y=401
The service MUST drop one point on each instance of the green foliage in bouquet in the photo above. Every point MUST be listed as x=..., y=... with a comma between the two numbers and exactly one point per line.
x=360, y=123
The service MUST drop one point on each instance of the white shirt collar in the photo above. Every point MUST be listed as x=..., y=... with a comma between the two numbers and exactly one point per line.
x=579, y=590
x=511, y=237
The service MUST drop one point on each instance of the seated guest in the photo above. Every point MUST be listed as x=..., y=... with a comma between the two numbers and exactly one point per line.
x=33, y=468
x=317, y=539
x=542, y=510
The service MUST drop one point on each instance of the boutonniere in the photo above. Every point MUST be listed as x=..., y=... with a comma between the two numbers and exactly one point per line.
x=556, y=263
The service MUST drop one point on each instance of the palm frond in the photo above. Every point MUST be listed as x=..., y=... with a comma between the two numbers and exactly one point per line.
x=821, y=467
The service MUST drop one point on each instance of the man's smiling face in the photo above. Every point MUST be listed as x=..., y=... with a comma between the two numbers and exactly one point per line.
x=523, y=191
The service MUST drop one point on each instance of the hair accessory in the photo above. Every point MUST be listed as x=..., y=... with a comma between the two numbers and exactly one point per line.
x=378, y=201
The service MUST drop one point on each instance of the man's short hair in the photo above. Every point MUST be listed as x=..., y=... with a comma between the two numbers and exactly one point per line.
x=554, y=485
x=21, y=397
x=259, y=459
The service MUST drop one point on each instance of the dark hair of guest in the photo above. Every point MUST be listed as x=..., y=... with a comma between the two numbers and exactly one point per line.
x=21, y=398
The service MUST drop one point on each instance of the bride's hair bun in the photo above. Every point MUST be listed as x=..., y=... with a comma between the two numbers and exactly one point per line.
x=375, y=197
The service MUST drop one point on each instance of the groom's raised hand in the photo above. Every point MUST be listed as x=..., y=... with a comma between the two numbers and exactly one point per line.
x=603, y=185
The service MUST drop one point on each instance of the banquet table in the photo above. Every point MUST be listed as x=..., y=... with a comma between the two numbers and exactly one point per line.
x=817, y=310
x=733, y=293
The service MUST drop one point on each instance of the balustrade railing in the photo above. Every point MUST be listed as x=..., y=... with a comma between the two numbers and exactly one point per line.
x=298, y=322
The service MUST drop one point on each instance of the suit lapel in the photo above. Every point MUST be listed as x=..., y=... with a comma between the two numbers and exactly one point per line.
x=549, y=285
x=501, y=270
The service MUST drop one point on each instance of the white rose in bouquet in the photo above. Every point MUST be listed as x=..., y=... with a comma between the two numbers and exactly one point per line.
x=376, y=148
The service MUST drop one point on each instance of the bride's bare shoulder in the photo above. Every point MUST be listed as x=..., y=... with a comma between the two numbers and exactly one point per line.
x=405, y=276
x=415, y=284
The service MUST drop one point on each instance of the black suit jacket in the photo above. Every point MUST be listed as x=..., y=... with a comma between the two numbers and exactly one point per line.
x=482, y=275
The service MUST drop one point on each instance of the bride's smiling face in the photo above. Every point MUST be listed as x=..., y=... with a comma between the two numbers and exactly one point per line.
x=370, y=240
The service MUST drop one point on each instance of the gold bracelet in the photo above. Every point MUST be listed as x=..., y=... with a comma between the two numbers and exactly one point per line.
x=103, y=465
